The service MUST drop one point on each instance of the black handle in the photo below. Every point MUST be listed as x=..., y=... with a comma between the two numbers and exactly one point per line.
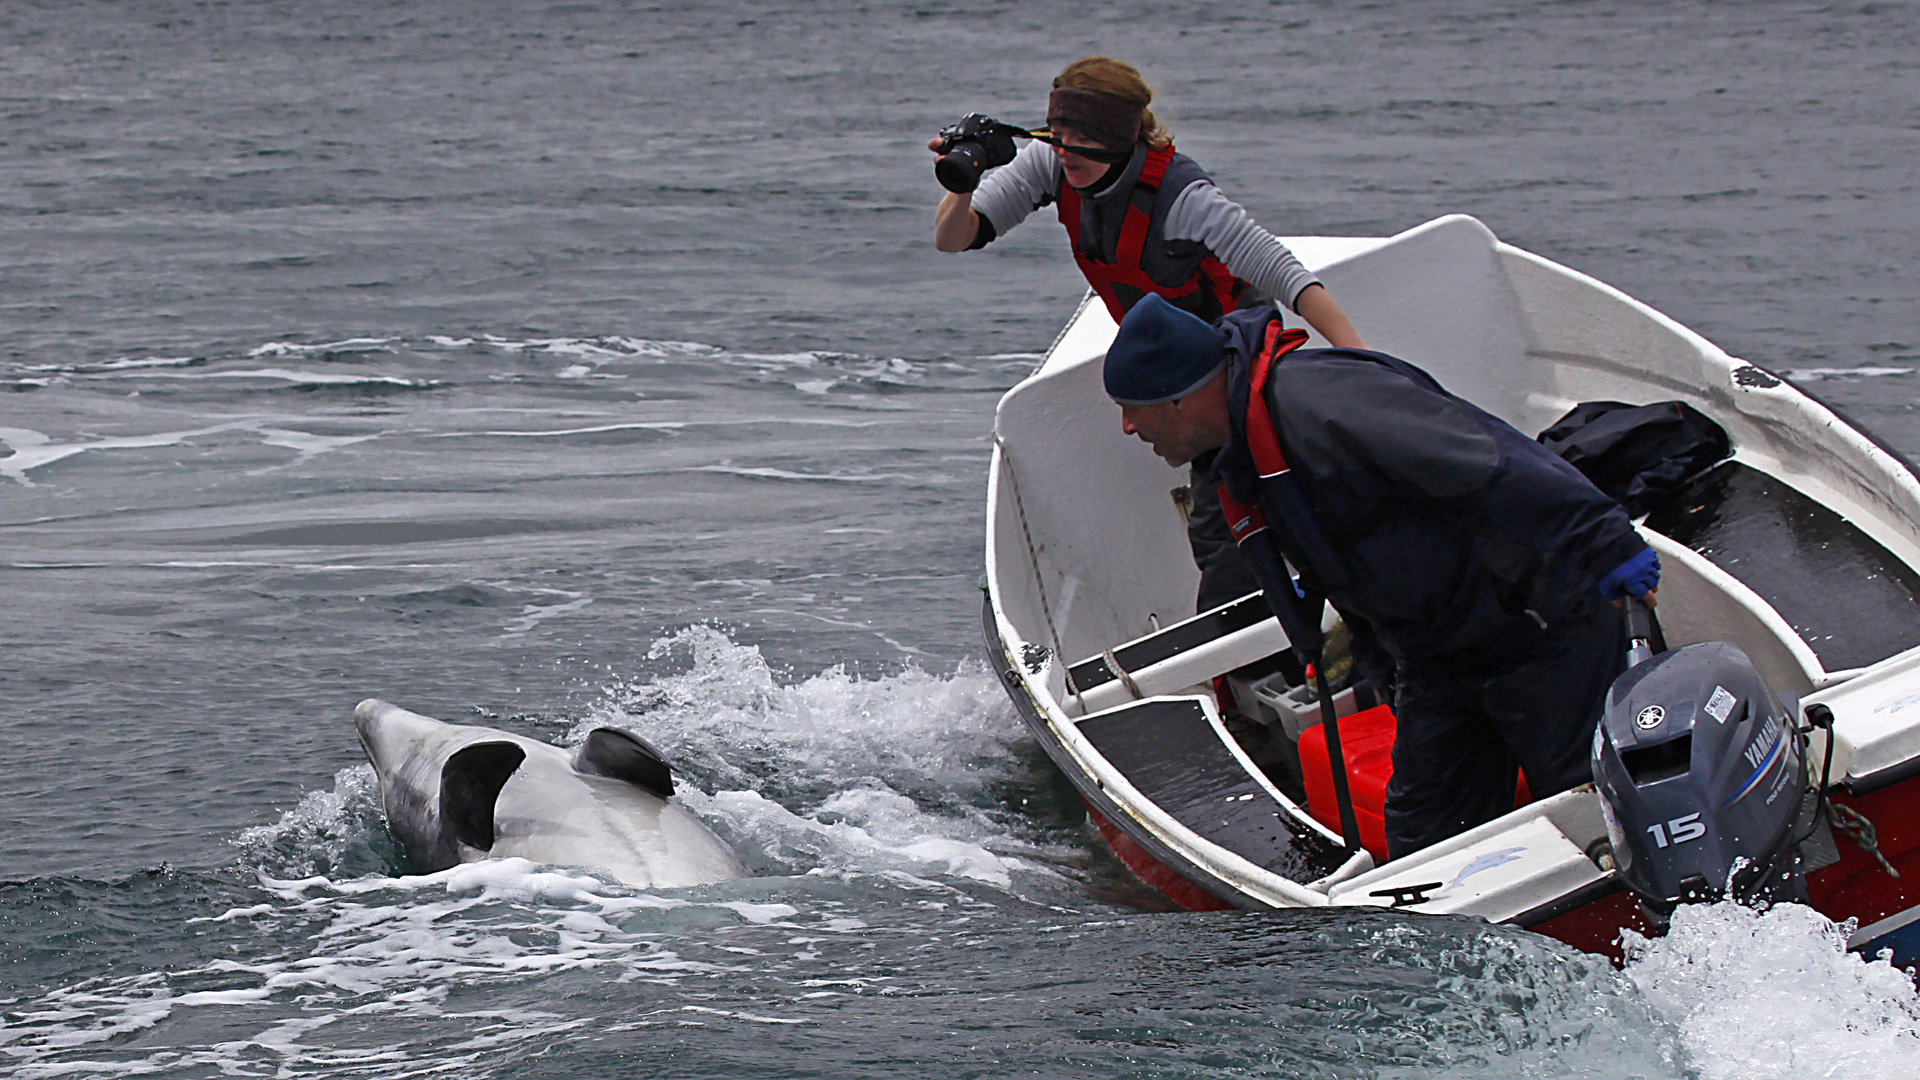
x=1337, y=757
x=1639, y=620
x=1639, y=631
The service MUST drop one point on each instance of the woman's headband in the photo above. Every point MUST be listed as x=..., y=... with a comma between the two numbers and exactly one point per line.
x=1108, y=119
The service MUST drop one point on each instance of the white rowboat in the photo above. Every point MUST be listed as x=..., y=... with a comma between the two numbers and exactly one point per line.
x=1803, y=549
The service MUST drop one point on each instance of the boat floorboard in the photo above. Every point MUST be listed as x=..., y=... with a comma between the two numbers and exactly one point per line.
x=1172, y=754
x=1849, y=598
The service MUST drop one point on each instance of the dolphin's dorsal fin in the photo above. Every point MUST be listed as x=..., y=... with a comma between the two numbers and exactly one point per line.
x=470, y=782
x=622, y=755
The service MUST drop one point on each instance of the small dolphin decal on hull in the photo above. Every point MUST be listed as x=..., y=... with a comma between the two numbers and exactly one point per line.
x=455, y=793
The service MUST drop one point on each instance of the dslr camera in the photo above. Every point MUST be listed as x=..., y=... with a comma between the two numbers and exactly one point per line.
x=971, y=147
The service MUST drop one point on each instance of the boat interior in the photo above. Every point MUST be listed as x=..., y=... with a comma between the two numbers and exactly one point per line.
x=1800, y=548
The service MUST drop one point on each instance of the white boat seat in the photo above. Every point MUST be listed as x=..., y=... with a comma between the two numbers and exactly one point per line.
x=1188, y=653
x=1497, y=871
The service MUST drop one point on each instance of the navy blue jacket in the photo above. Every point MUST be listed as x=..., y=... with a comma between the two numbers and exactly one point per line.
x=1452, y=536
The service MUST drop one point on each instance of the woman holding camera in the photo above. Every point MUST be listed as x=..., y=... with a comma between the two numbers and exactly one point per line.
x=1141, y=217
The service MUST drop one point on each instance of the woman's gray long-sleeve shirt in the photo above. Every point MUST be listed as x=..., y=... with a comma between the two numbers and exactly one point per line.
x=1200, y=214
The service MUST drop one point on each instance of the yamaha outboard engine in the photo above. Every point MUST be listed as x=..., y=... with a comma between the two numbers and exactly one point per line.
x=1702, y=778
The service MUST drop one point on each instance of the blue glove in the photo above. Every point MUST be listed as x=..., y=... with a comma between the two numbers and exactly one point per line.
x=1638, y=576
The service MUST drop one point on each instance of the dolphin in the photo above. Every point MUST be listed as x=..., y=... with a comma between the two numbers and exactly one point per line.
x=456, y=794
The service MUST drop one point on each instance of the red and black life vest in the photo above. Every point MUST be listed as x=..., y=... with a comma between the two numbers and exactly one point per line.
x=1141, y=264
x=1299, y=537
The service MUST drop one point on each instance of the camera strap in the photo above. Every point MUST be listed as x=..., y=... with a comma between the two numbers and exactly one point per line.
x=1101, y=154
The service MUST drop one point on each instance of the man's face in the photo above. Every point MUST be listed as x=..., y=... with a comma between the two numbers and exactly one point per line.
x=1173, y=428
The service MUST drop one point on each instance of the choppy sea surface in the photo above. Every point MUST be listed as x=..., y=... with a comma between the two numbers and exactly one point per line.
x=547, y=365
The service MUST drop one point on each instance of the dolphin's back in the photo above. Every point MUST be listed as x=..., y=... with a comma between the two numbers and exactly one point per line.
x=456, y=793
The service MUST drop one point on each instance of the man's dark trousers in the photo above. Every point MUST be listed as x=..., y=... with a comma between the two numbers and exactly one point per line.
x=1465, y=726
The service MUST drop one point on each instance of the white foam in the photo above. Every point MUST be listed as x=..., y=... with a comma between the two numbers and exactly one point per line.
x=289, y=348
x=664, y=349
x=305, y=444
x=33, y=449
x=532, y=615
x=881, y=832
x=1864, y=372
x=124, y=363
x=223, y=997
x=732, y=1014
x=237, y=913
x=949, y=733
x=784, y=360
x=597, y=429
x=587, y=349
x=761, y=914
x=397, y=947
x=837, y=773
x=519, y=880
x=1759, y=996
x=763, y=472
x=300, y=378
x=605, y=348
x=326, y=832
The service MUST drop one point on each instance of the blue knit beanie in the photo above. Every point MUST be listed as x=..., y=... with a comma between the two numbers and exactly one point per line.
x=1162, y=353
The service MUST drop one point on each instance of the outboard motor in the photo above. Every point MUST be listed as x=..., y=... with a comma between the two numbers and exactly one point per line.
x=1702, y=777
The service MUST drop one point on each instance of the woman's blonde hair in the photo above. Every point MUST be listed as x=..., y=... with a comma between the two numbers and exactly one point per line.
x=1117, y=79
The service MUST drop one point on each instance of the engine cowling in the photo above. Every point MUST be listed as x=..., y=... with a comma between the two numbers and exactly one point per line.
x=1702, y=775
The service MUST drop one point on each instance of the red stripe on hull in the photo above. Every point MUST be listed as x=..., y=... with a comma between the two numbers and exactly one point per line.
x=1152, y=871
x=1596, y=927
x=1858, y=887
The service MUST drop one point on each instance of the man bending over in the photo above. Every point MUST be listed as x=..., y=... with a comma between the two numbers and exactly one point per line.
x=1480, y=562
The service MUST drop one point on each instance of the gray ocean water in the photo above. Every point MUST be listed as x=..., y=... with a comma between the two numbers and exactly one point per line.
x=553, y=364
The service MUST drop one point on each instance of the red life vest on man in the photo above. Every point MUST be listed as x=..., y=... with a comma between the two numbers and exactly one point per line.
x=1204, y=286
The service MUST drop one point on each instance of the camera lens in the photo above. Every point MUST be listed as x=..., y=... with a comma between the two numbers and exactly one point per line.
x=959, y=170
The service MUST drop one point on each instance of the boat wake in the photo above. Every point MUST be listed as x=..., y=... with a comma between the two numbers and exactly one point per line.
x=1759, y=995
x=484, y=968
